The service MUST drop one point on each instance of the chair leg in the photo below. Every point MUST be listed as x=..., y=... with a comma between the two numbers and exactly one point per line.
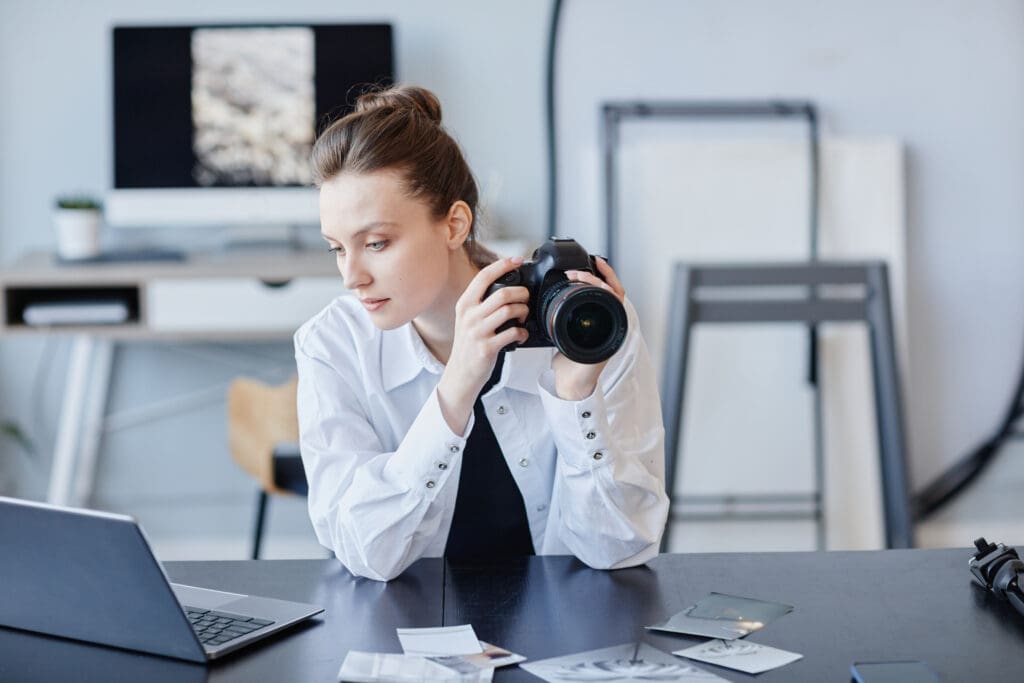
x=261, y=510
x=892, y=443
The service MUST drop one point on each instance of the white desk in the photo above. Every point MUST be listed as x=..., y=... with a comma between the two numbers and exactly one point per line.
x=241, y=296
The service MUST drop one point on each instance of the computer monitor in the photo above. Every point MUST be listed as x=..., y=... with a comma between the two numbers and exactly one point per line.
x=213, y=124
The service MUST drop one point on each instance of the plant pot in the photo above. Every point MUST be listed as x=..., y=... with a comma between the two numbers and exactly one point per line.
x=78, y=233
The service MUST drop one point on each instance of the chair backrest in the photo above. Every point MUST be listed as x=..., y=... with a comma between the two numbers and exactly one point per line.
x=261, y=416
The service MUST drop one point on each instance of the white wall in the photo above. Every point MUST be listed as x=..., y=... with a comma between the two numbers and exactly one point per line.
x=942, y=76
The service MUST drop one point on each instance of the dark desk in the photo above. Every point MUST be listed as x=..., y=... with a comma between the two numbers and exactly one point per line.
x=893, y=604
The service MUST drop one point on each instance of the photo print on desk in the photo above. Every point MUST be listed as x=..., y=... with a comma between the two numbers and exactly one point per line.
x=492, y=657
x=724, y=616
x=439, y=641
x=626, y=662
x=378, y=667
x=742, y=655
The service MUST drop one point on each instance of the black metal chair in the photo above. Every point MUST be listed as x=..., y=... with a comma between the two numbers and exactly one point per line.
x=290, y=476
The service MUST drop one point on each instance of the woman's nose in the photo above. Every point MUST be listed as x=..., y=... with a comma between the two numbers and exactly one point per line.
x=354, y=274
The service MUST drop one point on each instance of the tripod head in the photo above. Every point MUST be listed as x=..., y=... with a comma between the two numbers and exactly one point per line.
x=999, y=569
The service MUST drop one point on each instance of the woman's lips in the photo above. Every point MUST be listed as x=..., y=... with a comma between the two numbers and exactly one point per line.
x=373, y=304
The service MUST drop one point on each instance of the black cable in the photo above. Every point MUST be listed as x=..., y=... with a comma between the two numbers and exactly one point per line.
x=814, y=158
x=556, y=12
x=954, y=480
x=960, y=475
x=815, y=201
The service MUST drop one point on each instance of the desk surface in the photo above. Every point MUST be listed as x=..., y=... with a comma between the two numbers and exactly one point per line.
x=896, y=604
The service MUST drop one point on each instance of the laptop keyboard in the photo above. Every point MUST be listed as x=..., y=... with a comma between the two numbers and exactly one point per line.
x=217, y=628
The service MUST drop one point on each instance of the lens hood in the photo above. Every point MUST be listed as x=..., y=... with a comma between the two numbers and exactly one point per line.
x=586, y=323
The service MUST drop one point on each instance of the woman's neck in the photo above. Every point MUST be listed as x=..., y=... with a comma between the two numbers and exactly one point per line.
x=436, y=325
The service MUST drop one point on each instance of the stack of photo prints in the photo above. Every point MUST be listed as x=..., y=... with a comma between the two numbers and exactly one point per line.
x=455, y=654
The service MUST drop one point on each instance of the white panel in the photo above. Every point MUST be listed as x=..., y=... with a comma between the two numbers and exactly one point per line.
x=748, y=420
x=863, y=216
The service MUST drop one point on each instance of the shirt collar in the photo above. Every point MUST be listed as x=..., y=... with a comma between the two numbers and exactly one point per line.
x=524, y=366
x=404, y=356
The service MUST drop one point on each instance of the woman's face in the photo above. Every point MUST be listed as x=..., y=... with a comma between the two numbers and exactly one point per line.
x=392, y=253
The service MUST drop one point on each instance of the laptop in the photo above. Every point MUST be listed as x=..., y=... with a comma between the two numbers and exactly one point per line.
x=92, y=576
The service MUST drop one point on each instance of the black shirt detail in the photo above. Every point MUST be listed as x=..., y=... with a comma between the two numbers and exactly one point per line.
x=490, y=516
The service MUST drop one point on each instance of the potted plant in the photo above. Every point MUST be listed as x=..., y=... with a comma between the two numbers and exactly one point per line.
x=13, y=431
x=77, y=220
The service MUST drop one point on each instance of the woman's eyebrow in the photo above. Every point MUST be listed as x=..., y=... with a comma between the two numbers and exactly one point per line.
x=369, y=227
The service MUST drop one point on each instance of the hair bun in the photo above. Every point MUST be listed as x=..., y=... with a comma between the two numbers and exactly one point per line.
x=401, y=97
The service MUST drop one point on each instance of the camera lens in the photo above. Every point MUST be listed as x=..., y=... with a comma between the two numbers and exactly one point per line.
x=586, y=323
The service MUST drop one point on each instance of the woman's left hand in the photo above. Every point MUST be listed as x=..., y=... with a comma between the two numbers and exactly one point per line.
x=576, y=381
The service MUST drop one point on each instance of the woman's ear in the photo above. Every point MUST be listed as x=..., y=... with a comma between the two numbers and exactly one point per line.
x=458, y=223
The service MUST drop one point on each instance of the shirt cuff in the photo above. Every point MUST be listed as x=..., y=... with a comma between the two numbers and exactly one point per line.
x=430, y=450
x=580, y=428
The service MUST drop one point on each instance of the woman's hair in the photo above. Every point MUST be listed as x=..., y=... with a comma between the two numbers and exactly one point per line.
x=400, y=128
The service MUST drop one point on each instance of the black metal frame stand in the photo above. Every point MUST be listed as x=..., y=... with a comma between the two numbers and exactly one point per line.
x=697, y=298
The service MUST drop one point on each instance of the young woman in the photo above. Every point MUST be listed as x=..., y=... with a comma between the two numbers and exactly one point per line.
x=420, y=438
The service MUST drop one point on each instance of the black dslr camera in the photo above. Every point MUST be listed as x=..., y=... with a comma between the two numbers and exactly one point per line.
x=586, y=323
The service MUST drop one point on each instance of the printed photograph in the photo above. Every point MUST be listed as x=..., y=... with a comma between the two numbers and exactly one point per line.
x=724, y=616
x=626, y=662
x=741, y=655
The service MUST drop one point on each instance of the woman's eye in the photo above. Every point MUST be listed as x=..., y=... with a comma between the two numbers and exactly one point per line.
x=336, y=250
x=377, y=246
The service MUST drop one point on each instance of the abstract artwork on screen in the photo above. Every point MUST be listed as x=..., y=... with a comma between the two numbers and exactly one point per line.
x=253, y=106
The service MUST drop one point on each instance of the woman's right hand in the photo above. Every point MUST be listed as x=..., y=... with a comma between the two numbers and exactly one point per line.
x=477, y=343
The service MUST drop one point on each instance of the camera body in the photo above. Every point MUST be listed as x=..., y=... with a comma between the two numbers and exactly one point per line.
x=586, y=323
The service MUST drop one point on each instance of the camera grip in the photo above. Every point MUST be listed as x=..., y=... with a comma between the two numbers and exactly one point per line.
x=512, y=278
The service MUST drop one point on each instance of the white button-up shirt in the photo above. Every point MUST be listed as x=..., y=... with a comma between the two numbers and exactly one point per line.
x=383, y=464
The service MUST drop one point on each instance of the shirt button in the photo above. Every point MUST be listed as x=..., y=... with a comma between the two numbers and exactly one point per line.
x=598, y=455
x=442, y=466
x=591, y=435
x=453, y=448
x=524, y=462
x=502, y=410
x=430, y=484
x=542, y=508
x=585, y=415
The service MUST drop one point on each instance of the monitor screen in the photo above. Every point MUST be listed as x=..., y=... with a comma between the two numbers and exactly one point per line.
x=234, y=106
